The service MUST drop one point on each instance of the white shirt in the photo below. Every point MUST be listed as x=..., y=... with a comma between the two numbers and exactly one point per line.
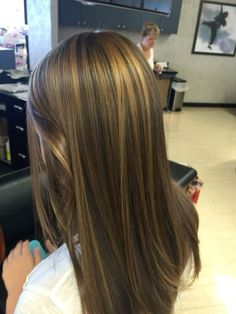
x=51, y=287
x=150, y=60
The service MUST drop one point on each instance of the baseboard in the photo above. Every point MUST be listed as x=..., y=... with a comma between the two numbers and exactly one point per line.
x=213, y=105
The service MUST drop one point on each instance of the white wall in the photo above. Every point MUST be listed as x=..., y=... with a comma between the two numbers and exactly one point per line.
x=211, y=79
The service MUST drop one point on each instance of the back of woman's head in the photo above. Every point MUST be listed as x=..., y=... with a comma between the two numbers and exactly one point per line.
x=93, y=106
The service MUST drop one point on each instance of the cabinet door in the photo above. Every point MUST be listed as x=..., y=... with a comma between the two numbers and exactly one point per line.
x=16, y=116
x=132, y=20
x=90, y=16
x=150, y=17
x=19, y=150
x=169, y=24
x=69, y=12
x=4, y=128
x=72, y=13
x=111, y=18
x=120, y=19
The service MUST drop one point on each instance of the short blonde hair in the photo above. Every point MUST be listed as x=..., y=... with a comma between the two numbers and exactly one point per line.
x=150, y=28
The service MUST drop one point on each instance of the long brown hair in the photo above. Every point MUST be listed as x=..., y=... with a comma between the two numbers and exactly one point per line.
x=95, y=104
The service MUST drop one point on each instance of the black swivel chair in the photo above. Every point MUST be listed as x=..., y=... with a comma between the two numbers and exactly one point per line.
x=16, y=214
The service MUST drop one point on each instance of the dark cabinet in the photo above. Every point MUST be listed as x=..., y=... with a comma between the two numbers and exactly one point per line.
x=120, y=19
x=128, y=3
x=73, y=13
x=90, y=16
x=169, y=24
x=132, y=20
x=13, y=110
x=68, y=13
x=150, y=17
x=163, y=6
x=111, y=19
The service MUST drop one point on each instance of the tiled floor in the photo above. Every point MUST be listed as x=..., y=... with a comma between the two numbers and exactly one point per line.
x=205, y=138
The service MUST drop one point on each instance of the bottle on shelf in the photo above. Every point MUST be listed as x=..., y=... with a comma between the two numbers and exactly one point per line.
x=7, y=150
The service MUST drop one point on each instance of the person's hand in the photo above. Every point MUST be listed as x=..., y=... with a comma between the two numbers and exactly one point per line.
x=17, y=266
x=50, y=247
x=157, y=68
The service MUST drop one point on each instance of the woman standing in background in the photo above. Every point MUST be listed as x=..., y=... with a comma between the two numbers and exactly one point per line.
x=150, y=33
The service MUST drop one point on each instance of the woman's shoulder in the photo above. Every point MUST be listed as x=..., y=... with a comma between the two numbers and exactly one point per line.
x=54, y=282
x=49, y=271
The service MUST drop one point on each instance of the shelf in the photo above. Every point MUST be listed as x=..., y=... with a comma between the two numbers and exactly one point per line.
x=6, y=161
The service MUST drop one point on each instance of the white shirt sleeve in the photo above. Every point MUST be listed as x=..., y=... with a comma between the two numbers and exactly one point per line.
x=33, y=302
x=51, y=287
x=151, y=58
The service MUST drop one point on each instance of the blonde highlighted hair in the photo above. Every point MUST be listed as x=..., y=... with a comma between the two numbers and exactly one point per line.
x=150, y=29
x=94, y=103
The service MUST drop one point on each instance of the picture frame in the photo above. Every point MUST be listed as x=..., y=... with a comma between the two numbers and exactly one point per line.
x=215, y=32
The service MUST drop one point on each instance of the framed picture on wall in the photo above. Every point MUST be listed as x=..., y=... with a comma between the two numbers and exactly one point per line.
x=215, y=32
